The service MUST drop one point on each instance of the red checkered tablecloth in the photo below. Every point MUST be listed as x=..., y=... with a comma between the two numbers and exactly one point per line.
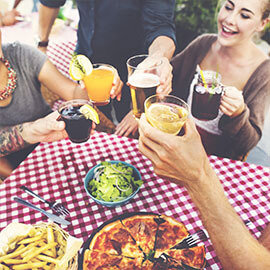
x=56, y=171
x=60, y=54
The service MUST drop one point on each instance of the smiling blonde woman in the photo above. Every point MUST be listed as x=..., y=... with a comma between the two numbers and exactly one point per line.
x=245, y=74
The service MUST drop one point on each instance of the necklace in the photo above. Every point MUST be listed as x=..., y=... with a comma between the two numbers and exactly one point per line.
x=11, y=83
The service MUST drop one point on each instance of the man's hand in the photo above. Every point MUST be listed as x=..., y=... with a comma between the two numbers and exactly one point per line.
x=47, y=129
x=180, y=158
x=129, y=125
x=116, y=90
x=165, y=86
x=163, y=68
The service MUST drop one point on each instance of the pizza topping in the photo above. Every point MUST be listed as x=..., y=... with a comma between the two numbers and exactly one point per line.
x=122, y=235
x=117, y=246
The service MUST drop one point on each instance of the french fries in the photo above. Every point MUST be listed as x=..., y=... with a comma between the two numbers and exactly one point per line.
x=42, y=248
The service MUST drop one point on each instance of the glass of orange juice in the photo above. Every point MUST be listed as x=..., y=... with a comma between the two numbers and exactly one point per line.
x=166, y=113
x=99, y=83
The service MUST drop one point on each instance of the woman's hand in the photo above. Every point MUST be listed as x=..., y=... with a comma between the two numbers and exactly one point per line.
x=129, y=125
x=46, y=129
x=232, y=102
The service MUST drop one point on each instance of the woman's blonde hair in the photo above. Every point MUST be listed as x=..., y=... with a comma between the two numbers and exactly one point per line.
x=265, y=10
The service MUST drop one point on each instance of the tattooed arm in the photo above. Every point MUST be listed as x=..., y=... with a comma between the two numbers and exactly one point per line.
x=11, y=140
x=45, y=129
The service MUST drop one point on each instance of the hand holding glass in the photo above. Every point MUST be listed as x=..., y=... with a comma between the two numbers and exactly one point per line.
x=166, y=113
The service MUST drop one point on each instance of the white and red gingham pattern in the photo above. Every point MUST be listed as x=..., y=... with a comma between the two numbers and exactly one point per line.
x=60, y=55
x=56, y=171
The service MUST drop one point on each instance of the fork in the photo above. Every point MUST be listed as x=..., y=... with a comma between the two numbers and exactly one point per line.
x=192, y=239
x=58, y=207
x=199, y=236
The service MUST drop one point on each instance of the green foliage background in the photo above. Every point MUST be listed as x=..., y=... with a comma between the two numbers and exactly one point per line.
x=192, y=18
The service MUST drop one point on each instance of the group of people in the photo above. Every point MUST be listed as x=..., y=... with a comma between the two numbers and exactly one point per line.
x=134, y=27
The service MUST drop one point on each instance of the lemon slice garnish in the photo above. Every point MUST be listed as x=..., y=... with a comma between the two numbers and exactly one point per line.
x=90, y=113
x=80, y=66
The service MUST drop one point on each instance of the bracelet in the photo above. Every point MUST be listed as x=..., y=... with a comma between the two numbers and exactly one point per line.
x=40, y=43
x=43, y=43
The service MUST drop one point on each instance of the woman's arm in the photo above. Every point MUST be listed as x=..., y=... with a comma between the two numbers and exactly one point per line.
x=17, y=137
x=59, y=84
x=245, y=129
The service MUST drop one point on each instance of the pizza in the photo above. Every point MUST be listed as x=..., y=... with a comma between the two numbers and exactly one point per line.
x=116, y=240
x=193, y=257
x=141, y=241
x=101, y=260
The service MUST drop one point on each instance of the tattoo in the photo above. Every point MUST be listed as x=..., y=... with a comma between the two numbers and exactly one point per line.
x=11, y=140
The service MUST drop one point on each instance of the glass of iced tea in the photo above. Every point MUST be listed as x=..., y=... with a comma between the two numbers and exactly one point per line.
x=78, y=127
x=166, y=112
x=99, y=83
x=143, y=80
x=207, y=95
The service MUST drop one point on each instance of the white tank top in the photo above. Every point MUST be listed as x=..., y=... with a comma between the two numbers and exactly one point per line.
x=210, y=126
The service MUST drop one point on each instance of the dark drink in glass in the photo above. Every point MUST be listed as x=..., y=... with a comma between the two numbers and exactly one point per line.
x=77, y=126
x=206, y=96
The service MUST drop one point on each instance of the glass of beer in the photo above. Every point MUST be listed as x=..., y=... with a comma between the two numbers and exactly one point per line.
x=166, y=113
x=143, y=80
x=99, y=83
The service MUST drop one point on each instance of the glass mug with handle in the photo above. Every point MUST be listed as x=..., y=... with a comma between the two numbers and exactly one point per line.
x=207, y=94
x=166, y=113
x=143, y=80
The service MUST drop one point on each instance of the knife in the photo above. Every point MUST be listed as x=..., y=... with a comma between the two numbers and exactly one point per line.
x=53, y=217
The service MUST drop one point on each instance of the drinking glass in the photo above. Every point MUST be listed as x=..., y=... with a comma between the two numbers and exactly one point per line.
x=166, y=112
x=99, y=83
x=207, y=95
x=77, y=127
x=143, y=79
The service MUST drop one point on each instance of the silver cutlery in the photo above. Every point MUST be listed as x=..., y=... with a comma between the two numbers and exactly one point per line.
x=56, y=206
x=192, y=240
x=199, y=236
x=53, y=217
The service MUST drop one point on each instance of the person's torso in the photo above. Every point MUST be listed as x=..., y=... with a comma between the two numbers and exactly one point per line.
x=27, y=103
x=110, y=31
